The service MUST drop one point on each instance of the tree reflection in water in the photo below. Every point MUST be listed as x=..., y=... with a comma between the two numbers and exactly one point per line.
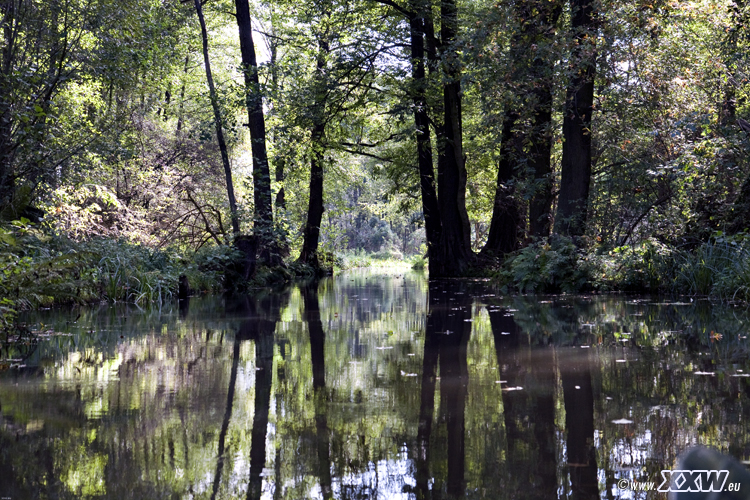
x=382, y=386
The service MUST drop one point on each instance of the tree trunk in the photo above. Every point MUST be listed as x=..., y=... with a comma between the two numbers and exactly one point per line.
x=279, y=162
x=506, y=218
x=454, y=255
x=532, y=74
x=575, y=173
x=540, y=206
x=739, y=23
x=430, y=207
x=263, y=216
x=309, y=253
x=218, y=121
x=180, y=115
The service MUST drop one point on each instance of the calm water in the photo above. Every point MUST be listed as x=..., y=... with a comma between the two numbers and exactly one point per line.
x=370, y=386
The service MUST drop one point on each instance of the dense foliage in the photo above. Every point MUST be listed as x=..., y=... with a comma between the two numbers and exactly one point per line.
x=559, y=145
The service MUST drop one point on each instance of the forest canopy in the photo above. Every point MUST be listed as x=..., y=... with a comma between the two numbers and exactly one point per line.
x=555, y=145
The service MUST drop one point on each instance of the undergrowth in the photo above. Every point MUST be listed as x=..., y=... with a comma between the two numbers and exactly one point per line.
x=41, y=269
x=719, y=268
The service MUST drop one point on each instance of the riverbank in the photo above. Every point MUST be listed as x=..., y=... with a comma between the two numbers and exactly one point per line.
x=41, y=269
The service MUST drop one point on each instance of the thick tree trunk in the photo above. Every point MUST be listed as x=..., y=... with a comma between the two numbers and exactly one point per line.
x=575, y=175
x=506, y=217
x=430, y=207
x=218, y=121
x=454, y=255
x=533, y=76
x=539, y=20
x=262, y=197
x=540, y=162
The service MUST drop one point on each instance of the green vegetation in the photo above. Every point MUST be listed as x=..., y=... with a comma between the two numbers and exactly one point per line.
x=558, y=145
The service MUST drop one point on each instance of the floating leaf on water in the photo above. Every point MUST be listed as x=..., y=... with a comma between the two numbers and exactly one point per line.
x=384, y=347
x=711, y=374
x=517, y=388
x=622, y=421
x=404, y=374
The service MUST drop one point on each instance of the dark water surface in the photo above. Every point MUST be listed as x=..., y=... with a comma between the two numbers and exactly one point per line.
x=370, y=386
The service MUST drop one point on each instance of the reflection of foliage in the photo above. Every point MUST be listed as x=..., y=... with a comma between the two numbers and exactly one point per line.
x=129, y=403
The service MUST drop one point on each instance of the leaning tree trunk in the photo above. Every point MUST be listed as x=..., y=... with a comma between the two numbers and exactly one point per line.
x=264, y=230
x=218, y=121
x=575, y=173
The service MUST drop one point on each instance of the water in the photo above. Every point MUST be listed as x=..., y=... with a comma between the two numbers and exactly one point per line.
x=370, y=386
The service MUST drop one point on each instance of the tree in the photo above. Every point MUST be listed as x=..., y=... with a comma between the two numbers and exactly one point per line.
x=264, y=230
x=40, y=43
x=417, y=24
x=575, y=171
x=526, y=145
x=309, y=252
x=218, y=122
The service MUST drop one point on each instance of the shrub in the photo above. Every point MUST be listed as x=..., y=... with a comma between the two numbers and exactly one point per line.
x=418, y=263
x=549, y=265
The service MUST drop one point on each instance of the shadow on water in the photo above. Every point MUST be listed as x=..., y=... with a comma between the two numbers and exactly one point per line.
x=371, y=386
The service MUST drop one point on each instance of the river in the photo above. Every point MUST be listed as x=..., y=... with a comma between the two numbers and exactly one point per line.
x=370, y=385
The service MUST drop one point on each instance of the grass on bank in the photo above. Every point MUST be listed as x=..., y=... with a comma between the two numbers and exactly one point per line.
x=41, y=269
x=718, y=268
x=38, y=269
